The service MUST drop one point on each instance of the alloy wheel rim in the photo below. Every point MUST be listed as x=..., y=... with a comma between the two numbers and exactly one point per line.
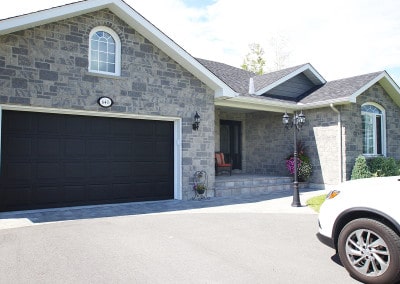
x=367, y=252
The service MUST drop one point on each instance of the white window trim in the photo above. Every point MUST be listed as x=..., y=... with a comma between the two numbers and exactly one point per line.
x=383, y=119
x=117, y=51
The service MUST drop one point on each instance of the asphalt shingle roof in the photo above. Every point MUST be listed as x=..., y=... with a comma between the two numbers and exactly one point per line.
x=238, y=80
x=339, y=89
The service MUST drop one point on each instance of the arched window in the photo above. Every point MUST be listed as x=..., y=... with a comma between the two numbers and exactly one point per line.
x=105, y=51
x=374, y=130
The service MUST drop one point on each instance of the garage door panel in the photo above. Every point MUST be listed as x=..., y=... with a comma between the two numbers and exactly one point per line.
x=122, y=169
x=98, y=148
x=75, y=170
x=123, y=191
x=17, y=196
x=48, y=171
x=74, y=126
x=163, y=150
x=122, y=128
x=18, y=146
x=99, y=192
x=75, y=194
x=74, y=148
x=99, y=170
x=51, y=160
x=17, y=124
x=44, y=195
x=163, y=129
x=17, y=172
x=48, y=125
x=122, y=149
x=47, y=147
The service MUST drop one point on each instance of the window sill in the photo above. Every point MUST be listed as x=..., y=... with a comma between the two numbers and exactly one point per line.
x=110, y=76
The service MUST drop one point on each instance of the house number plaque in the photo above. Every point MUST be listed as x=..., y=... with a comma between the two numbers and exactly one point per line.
x=105, y=101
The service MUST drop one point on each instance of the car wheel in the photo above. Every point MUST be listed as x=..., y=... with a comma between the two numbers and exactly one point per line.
x=370, y=251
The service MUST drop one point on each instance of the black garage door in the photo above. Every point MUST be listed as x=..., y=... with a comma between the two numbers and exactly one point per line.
x=53, y=160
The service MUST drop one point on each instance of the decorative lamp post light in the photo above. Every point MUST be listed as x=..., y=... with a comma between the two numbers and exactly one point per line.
x=298, y=121
x=196, y=122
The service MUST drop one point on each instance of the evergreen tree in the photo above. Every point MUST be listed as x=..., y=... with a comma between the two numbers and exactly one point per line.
x=360, y=169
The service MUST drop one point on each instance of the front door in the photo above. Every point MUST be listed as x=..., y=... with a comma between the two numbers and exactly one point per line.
x=231, y=142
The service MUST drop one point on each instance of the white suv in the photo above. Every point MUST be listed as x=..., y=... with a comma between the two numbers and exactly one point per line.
x=361, y=220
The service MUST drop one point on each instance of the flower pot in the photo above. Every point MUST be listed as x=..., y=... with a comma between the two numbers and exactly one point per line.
x=200, y=191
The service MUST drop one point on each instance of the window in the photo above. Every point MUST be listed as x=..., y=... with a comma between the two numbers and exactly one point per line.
x=105, y=51
x=373, y=124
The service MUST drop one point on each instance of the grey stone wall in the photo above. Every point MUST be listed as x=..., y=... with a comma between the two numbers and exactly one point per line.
x=47, y=66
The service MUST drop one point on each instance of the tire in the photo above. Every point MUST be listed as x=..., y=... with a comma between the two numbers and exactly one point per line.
x=370, y=251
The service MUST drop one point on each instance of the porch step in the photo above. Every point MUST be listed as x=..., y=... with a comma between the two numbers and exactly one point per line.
x=243, y=184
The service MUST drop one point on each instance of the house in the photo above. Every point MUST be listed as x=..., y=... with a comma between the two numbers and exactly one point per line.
x=97, y=106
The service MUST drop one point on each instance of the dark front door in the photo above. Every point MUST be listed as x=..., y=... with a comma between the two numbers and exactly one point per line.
x=231, y=142
x=53, y=160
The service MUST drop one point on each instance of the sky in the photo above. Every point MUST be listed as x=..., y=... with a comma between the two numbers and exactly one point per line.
x=340, y=38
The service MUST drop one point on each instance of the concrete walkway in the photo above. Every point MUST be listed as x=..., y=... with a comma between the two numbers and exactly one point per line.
x=279, y=202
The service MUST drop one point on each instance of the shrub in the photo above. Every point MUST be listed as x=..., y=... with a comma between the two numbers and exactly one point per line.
x=360, y=169
x=383, y=167
x=375, y=167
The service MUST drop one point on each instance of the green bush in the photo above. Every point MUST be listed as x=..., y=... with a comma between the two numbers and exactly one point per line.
x=383, y=167
x=375, y=167
x=360, y=169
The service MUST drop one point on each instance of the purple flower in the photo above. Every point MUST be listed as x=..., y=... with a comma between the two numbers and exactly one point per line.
x=290, y=164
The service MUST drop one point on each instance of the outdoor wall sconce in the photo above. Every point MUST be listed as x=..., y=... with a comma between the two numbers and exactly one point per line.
x=298, y=121
x=196, y=122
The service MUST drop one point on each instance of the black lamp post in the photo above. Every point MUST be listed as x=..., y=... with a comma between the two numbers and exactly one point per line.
x=297, y=121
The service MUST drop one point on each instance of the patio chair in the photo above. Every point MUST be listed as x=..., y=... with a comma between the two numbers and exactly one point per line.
x=221, y=165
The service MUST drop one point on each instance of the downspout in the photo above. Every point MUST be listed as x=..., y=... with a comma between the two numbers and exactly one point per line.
x=340, y=142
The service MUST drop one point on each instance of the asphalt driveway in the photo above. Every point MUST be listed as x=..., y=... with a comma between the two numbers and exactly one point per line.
x=211, y=244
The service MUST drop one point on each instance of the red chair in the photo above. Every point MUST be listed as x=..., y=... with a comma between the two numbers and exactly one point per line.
x=221, y=165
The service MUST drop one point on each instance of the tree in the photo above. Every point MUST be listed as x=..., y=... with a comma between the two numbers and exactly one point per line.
x=254, y=60
x=279, y=50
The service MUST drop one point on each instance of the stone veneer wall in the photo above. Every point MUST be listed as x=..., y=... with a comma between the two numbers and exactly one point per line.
x=269, y=144
x=47, y=66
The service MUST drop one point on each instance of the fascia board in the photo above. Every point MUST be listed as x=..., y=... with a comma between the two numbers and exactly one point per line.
x=51, y=15
x=255, y=104
x=134, y=19
x=291, y=75
x=259, y=104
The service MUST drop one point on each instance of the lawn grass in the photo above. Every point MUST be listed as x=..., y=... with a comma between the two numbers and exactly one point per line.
x=316, y=202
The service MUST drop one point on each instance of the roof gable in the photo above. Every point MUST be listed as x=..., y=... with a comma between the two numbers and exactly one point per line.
x=132, y=18
x=347, y=90
x=294, y=81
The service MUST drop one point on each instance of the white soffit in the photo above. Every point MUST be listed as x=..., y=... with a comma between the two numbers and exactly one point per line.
x=132, y=18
